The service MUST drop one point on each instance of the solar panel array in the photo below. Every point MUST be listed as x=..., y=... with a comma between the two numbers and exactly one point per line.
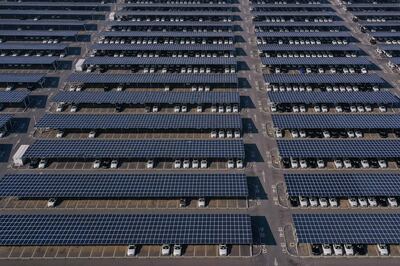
x=347, y=228
x=330, y=61
x=80, y=186
x=140, y=121
x=13, y=96
x=324, y=121
x=324, y=79
x=130, y=149
x=343, y=185
x=124, y=229
x=4, y=120
x=339, y=148
x=144, y=97
x=164, y=47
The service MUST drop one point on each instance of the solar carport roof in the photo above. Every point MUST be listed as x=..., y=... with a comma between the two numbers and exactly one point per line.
x=32, y=46
x=299, y=24
x=389, y=47
x=187, y=34
x=384, y=34
x=321, y=47
x=323, y=34
x=164, y=47
x=147, y=97
x=294, y=121
x=294, y=14
x=395, y=60
x=343, y=185
x=350, y=228
x=43, y=22
x=140, y=121
x=21, y=78
x=124, y=229
x=37, y=33
x=153, y=78
x=339, y=148
x=315, y=61
x=4, y=119
x=129, y=149
x=160, y=61
x=172, y=23
x=28, y=60
x=378, y=97
x=175, y=13
x=324, y=79
x=13, y=96
x=82, y=186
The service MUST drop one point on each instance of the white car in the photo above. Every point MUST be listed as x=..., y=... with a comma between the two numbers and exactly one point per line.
x=323, y=202
x=338, y=250
x=177, y=250
x=368, y=108
x=213, y=133
x=237, y=134
x=339, y=109
x=74, y=108
x=317, y=109
x=358, y=134
x=382, y=108
x=51, y=203
x=199, y=109
x=333, y=202
x=303, y=163
x=294, y=163
x=155, y=109
x=177, y=164
x=364, y=163
x=302, y=134
x=150, y=164
x=131, y=250
x=372, y=202
x=320, y=163
x=353, y=202
x=295, y=133
x=274, y=108
x=326, y=134
x=313, y=202
x=201, y=203
x=383, y=249
x=184, y=109
x=42, y=164
x=363, y=202
x=96, y=164
x=351, y=134
x=324, y=108
x=165, y=250
x=348, y=250
x=221, y=109
x=228, y=109
x=203, y=164
x=222, y=250
x=60, y=134
x=347, y=164
x=229, y=134
x=60, y=107
x=186, y=164
x=177, y=109
x=235, y=108
x=231, y=164
x=326, y=250
x=382, y=164
x=303, y=108
x=303, y=201
x=239, y=164
x=195, y=164
x=392, y=202
x=92, y=134
x=295, y=109
x=114, y=164
x=221, y=134
x=338, y=163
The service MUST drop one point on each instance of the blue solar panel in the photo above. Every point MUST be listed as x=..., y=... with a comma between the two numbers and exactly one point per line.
x=13, y=96
x=315, y=61
x=324, y=79
x=380, y=97
x=384, y=34
x=328, y=121
x=188, y=34
x=175, y=13
x=123, y=229
x=28, y=60
x=138, y=149
x=82, y=186
x=38, y=33
x=172, y=23
x=164, y=47
x=298, y=24
x=347, y=228
x=43, y=22
x=323, y=34
x=339, y=148
x=140, y=121
x=343, y=185
x=20, y=78
x=105, y=60
x=4, y=120
x=294, y=14
x=148, y=97
x=389, y=47
x=32, y=46
x=321, y=47
x=153, y=78
x=395, y=60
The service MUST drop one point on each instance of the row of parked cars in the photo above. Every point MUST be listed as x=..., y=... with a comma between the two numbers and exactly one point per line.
x=346, y=249
x=294, y=133
x=323, y=108
x=334, y=202
x=321, y=70
x=177, y=250
x=338, y=163
x=327, y=88
x=162, y=41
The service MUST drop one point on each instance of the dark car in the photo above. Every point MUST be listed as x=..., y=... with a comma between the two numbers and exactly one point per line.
x=360, y=249
x=118, y=108
x=294, y=201
x=316, y=249
x=33, y=164
x=286, y=163
x=383, y=134
x=382, y=201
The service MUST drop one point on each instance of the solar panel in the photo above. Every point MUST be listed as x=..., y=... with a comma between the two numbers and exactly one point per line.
x=339, y=148
x=172, y=23
x=153, y=78
x=123, y=229
x=315, y=61
x=105, y=60
x=294, y=14
x=389, y=47
x=4, y=120
x=114, y=97
x=321, y=47
x=187, y=34
x=323, y=34
x=175, y=13
x=118, y=185
x=384, y=34
x=379, y=97
x=43, y=22
x=32, y=46
x=328, y=121
x=28, y=60
x=395, y=60
x=347, y=228
x=343, y=185
x=299, y=24
x=20, y=78
x=140, y=121
x=164, y=47
x=138, y=149
x=38, y=33
x=13, y=96
x=324, y=79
